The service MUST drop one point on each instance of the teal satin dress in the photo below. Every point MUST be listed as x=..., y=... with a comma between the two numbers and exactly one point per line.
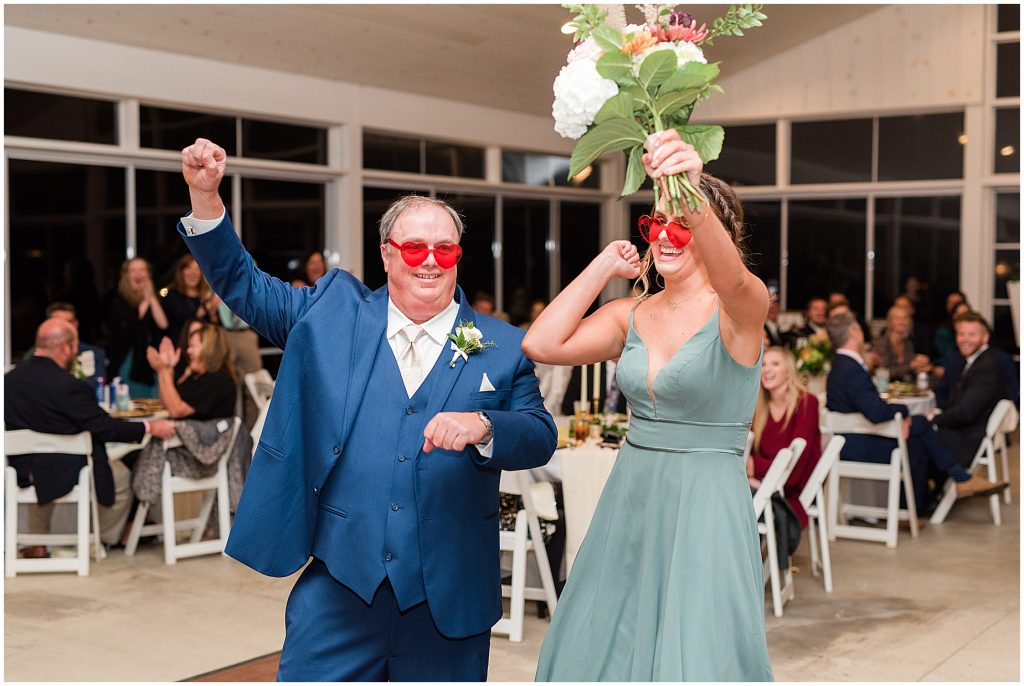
x=668, y=585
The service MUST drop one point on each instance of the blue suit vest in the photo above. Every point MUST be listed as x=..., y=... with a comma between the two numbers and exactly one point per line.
x=368, y=523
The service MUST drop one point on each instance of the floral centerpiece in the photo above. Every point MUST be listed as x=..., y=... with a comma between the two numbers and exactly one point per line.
x=813, y=354
x=622, y=83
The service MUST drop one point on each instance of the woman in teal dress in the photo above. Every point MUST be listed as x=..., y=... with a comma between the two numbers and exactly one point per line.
x=667, y=585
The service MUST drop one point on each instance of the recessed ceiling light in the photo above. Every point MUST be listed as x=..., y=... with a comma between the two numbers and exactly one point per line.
x=962, y=139
x=1006, y=150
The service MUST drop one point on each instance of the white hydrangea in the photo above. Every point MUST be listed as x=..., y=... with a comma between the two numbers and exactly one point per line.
x=580, y=92
x=685, y=52
x=587, y=50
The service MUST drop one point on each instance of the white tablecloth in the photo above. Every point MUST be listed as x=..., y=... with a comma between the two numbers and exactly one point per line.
x=583, y=472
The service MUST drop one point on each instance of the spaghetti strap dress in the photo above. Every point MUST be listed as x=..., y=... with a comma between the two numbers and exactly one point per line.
x=668, y=583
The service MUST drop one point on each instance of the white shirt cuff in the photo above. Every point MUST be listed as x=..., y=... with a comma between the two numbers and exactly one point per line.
x=486, y=450
x=194, y=227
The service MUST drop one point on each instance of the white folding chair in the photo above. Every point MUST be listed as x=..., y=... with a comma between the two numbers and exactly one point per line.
x=261, y=388
x=25, y=442
x=216, y=485
x=895, y=472
x=985, y=456
x=749, y=447
x=526, y=538
x=773, y=482
x=812, y=498
x=1008, y=426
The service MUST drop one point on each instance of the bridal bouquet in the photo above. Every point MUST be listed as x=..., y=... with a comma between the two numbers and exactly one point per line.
x=622, y=84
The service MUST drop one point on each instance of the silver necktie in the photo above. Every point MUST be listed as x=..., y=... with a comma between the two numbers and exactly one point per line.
x=409, y=359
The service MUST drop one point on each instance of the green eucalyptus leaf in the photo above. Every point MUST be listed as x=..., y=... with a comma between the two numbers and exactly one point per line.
x=657, y=67
x=691, y=75
x=607, y=38
x=635, y=173
x=617, y=67
x=614, y=134
x=618, y=106
x=706, y=138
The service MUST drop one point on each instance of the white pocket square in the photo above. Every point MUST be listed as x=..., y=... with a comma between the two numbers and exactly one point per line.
x=485, y=384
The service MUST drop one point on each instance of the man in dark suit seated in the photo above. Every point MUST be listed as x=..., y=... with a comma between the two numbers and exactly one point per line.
x=953, y=365
x=815, y=317
x=850, y=390
x=42, y=395
x=979, y=386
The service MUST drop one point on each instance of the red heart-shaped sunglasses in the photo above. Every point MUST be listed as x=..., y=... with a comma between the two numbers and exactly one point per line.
x=651, y=228
x=447, y=255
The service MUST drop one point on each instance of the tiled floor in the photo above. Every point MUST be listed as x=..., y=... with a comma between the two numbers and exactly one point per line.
x=942, y=607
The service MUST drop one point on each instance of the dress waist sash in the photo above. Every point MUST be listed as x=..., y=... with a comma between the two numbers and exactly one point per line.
x=681, y=436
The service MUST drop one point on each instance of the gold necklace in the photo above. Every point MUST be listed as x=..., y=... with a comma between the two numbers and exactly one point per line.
x=676, y=304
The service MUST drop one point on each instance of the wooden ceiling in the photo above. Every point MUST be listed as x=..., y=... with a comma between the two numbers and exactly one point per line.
x=504, y=56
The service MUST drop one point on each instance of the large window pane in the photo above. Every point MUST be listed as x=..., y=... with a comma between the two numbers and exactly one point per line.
x=476, y=268
x=67, y=242
x=524, y=255
x=917, y=237
x=1008, y=18
x=827, y=240
x=447, y=159
x=1007, y=153
x=580, y=238
x=1008, y=217
x=1002, y=331
x=1007, y=269
x=391, y=153
x=167, y=129
x=924, y=146
x=375, y=203
x=161, y=199
x=763, y=242
x=831, y=151
x=748, y=156
x=545, y=170
x=1007, y=70
x=60, y=117
x=285, y=142
x=282, y=222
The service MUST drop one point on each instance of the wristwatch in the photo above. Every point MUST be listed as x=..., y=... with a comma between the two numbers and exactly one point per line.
x=488, y=425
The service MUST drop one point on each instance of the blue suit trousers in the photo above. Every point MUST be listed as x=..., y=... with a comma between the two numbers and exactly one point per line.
x=333, y=635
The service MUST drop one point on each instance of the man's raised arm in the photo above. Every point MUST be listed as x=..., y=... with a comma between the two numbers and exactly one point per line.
x=266, y=303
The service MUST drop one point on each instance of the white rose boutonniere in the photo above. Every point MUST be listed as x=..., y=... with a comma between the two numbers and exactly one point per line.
x=467, y=340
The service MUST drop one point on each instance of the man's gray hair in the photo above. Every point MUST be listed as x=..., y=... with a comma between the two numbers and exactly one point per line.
x=387, y=221
x=838, y=327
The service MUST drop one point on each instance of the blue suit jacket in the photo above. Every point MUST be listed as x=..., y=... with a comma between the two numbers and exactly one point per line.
x=330, y=333
x=850, y=389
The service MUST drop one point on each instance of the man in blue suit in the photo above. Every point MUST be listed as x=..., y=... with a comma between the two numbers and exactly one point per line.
x=850, y=390
x=382, y=448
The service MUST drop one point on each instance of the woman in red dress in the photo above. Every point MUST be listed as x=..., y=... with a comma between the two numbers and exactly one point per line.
x=785, y=410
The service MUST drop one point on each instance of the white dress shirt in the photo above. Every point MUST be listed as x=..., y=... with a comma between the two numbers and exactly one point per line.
x=427, y=347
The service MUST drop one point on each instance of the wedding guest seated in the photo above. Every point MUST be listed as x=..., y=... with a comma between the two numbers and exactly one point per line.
x=90, y=365
x=206, y=389
x=137, y=319
x=815, y=317
x=894, y=349
x=785, y=410
x=978, y=388
x=41, y=395
x=536, y=307
x=186, y=296
x=772, y=330
x=313, y=267
x=850, y=390
x=837, y=300
x=945, y=337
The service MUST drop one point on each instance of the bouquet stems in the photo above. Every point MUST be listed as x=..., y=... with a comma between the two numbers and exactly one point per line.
x=678, y=189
